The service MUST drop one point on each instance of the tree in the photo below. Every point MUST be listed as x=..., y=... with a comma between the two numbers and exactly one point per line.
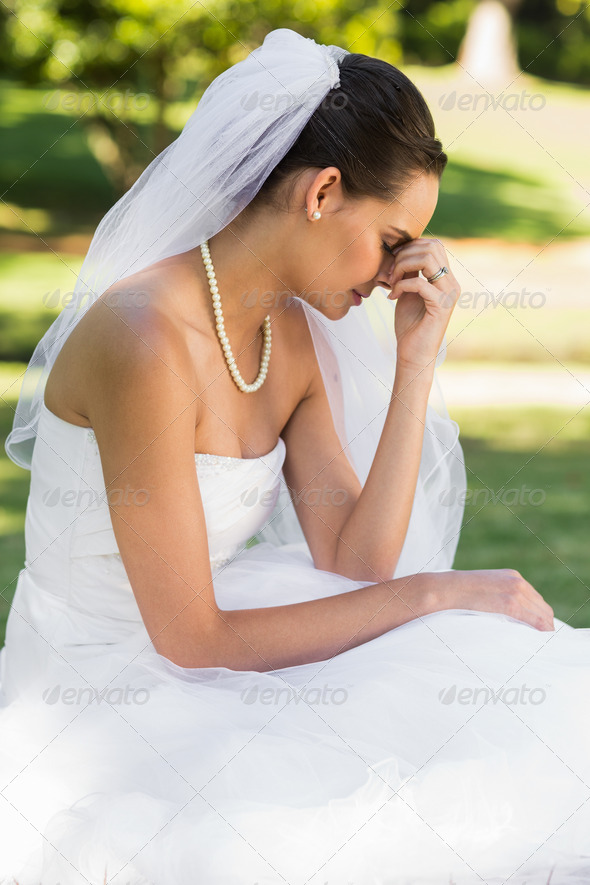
x=118, y=66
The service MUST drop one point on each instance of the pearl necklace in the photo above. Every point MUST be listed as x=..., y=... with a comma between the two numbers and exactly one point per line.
x=223, y=339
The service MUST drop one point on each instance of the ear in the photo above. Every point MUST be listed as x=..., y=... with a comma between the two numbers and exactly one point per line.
x=325, y=190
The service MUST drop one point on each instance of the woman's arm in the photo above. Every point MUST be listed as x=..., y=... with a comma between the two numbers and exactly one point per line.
x=360, y=531
x=353, y=530
x=287, y=635
x=371, y=540
x=143, y=407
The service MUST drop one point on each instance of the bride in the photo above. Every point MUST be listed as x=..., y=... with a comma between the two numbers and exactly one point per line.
x=237, y=650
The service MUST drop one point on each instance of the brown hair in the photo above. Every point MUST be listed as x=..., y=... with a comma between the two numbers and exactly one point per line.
x=376, y=128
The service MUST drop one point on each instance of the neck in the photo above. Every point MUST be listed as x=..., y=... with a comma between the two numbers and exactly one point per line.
x=250, y=277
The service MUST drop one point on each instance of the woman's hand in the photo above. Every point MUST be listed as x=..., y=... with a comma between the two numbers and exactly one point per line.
x=423, y=309
x=494, y=590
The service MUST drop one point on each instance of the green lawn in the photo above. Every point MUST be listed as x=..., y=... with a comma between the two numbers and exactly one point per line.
x=514, y=172
x=33, y=286
x=527, y=507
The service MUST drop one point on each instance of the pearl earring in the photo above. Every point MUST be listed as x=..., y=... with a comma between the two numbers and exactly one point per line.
x=316, y=215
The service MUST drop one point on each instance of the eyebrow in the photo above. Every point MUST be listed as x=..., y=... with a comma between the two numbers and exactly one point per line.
x=404, y=233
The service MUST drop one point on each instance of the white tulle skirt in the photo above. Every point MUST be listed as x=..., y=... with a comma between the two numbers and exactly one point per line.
x=453, y=749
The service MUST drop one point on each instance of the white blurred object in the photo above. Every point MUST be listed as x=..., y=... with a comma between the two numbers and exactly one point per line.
x=488, y=52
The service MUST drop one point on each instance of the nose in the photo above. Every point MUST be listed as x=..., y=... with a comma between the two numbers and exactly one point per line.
x=384, y=275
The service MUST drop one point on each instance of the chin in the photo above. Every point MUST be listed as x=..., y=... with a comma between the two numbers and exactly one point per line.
x=330, y=311
x=338, y=314
x=333, y=313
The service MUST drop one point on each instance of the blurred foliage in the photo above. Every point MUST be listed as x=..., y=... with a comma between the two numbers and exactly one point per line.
x=118, y=64
x=165, y=48
x=554, y=39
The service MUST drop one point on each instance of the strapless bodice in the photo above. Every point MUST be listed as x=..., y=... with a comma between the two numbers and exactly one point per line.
x=68, y=522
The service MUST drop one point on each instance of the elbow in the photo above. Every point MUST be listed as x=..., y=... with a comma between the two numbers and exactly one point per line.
x=195, y=658
x=218, y=644
x=377, y=569
x=199, y=650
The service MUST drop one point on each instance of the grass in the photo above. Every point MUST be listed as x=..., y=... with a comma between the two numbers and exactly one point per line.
x=42, y=280
x=514, y=172
x=527, y=506
x=47, y=164
x=547, y=336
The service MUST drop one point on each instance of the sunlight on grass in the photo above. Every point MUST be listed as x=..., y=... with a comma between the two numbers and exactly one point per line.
x=519, y=335
x=29, y=281
x=527, y=504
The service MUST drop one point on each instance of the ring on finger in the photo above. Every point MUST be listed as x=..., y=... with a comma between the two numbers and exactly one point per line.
x=443, y=270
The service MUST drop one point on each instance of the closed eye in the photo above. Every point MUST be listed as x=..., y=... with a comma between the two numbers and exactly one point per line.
x=389, y=249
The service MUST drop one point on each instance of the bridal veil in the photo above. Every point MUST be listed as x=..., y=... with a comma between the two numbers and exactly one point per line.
x=244, y=124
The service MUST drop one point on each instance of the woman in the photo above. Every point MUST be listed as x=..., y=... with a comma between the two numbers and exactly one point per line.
x=308, y=708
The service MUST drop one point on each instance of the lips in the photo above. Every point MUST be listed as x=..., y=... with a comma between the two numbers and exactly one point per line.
x=361, y=293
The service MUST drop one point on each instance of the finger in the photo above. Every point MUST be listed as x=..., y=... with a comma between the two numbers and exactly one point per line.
x=539, y=599
x=539, y=618
x=539, y=610
x=430, y=294
x=434, y=247
x=416, y=259
x=425, y=262
x=429, y=242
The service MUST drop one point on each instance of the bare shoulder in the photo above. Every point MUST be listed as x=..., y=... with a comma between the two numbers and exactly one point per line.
x=136, y=384
x=132, y=337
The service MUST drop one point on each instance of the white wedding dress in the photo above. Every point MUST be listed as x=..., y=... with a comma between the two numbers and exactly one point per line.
x=453, y=749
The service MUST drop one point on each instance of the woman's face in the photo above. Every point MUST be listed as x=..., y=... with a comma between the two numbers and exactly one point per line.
x=348, y=247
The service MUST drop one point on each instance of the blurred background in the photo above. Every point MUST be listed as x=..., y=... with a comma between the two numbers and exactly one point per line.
x=91, y=92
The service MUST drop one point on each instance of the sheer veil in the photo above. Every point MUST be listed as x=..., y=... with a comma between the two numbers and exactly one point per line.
x=246, y=121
